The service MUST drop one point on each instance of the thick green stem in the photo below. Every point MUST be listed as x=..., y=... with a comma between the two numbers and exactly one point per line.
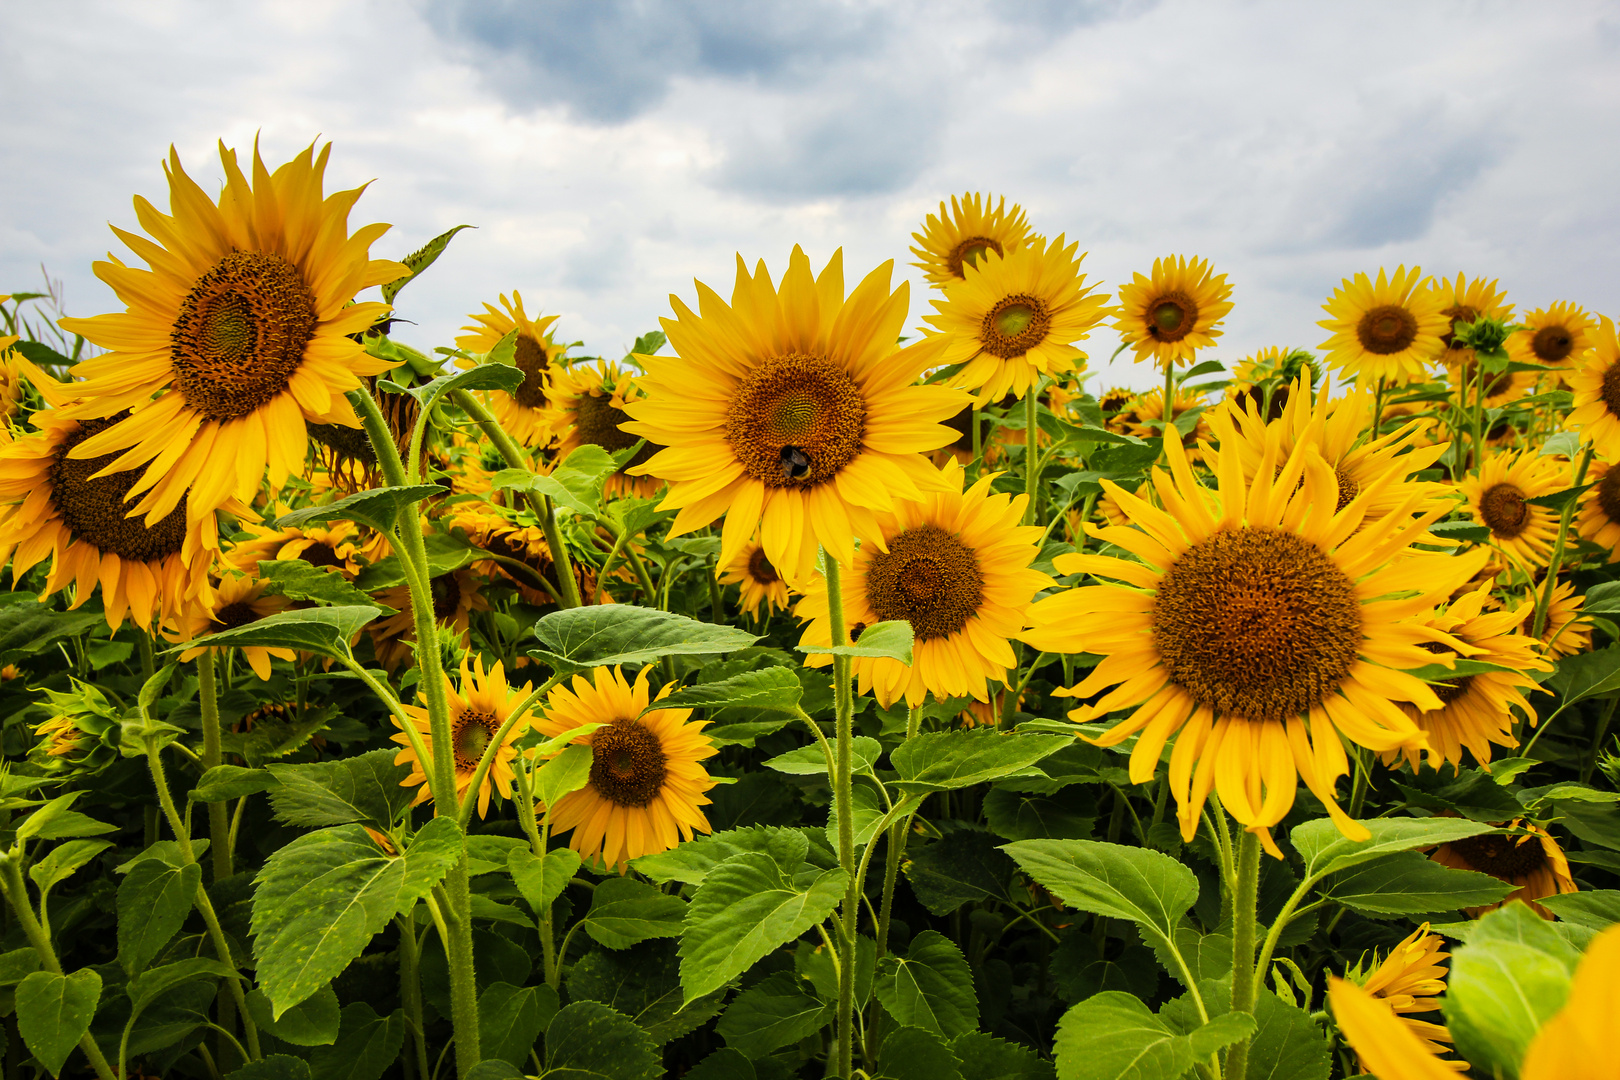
x=899, y=832
x=973, y=418
x=410, y=991
x=219, y=815
x=1544, y=601
x=844, y=800
x=1244, y=917
x=514, y=457
x=1032, y=456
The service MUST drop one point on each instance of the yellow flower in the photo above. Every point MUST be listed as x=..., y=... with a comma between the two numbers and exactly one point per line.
x=477, y=711
x=1465, y=301
x=522, y=412
x=1578, y=1042
x=588, y=409
x=239, y=601
x=1555, y=335
x=1596, y=384
x=1016, y=317
x=792, y=412
x=1532, y=862
x=1389, y=329
x=456, y=595
x=1150, y=406
x=235, y=339
x=1408, y=981
x=646, y=781
x=753, y=573
x=1566, y=632
x=956, y=567
x=1173, y=314
x=961, y=236
x=1257, y=630
x=332, y=545
x=1599, y=519
x=1499, y=498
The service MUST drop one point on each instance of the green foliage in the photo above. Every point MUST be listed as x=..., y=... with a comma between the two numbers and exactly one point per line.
x=589, y=1041
x=605, y=636
x=931, y=987
x=1113, y=1035
x=54, y=1011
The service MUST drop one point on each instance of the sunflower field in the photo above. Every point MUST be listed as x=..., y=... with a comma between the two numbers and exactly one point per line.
x=823, y=689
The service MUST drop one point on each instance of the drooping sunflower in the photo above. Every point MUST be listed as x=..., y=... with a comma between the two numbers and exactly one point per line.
x=753, y=573
x=1596, y=384
x=238, y=601
x=335, y=544
x=959, y=237
x=1257, y=631
x=1476, y=709
x=1530, y=860
x=1410, y=980
x=1016, y=317
x=456, y=595
x=956, y=566
x=235, y=339
x=646, y=781
x=793, y=412
x=1499, y=498
x=1566, y=632
x=522, y=412
x=1174, y=313
x=587, y=408
x=1390, y=329
x=1555, y=335
x=478, y=708
x=57, y=504
x=1599, y=519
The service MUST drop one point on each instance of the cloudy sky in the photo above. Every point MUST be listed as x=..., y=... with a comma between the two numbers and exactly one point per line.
x=610, y=151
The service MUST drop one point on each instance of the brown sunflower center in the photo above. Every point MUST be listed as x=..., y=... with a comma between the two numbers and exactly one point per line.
x=240, y=334
x=760, y=568
x=530, y=357
x=1502, y=856
x=969, y=252
x=238, y=614
x=1257, y=623
x=1447, y=690
x=1015, y=325
x=1171, y=316
x=470, y=736
x=962, y=423
x=1348, y=489
x=1387, y=329
x=320, y=553
x=446, y=592
x=94, y=510
x=596, y=422
x=929, y=578
x=1608, y=494
x=1504, y=509
x=796, y=420
x=1610, y=390
x=627, y=763
x=1458, y=315
x=1552, y=344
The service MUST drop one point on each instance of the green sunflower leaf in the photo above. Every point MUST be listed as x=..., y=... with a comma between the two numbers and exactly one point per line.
x=1147, y=887
x=53, y=1011
x=1328, y=851
x=511, y=1018
x=575, y=483
x=298, y=580
x=811, y=761
x=589, y=1041
x=945, y=760
x=1407, y=883
x=772, y=689
x=419, y=260
x=614, y=634
x=624, y=911
x=367, y=1045
x=493, y=376
x=914, y=1053
x=892, y=639
x=364, y=788
x=379, y=507
x=773, y=1013
x=324, y=630
x=931, y=987
x=1503, y=987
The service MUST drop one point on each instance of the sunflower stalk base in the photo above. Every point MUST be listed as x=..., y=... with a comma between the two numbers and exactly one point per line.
x=1245, y=904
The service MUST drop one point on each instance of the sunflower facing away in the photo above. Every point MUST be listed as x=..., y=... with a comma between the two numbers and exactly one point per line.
x=1599, y=519
x=956, y=567
x=646, y=781
x=753, y=573
x=1465, y=301
x=1531, y=861
x=1499, y=498
x=1410, y=980
x=1566, y=632
x=793, y=412
x=960, y=236
x=235, y=339
x=1389, y=329
x=1256, y=631
x=587, y=408
x=477, y=711
x=1555, y=335
x=1016, y=317
x=522, y=412
x=238, y=601
x=1173, y=314
x=456, y=595
x=1596, y=384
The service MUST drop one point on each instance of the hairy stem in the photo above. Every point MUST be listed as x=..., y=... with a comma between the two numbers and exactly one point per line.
x=219, y=820
x=1245, y=903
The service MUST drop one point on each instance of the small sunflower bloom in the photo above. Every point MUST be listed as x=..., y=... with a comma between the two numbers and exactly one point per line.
x=964, y=233
x=479, y=706
x=1554, y=336
x=238, y=601
x=1596, y=385
x=1169, y=316
x=758, y=580
x=1410, y=980
x=522, y=412
x=588, y=409
x=1389, y=329
x=1530, y=860
x=1499, y=499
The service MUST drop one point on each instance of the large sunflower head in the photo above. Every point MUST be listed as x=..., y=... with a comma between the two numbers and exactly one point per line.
x=960, y=235
x=956, y=566
x=1596, y=384
x=479, y=706
x=1599, y=519
x=238, y=601
x=1257, y=628
x=753, y=573
x=522, y=412
x=237, y=337
x=792, y=411
x=1015, y=317
x=1173, y=314
x=1499, y=498
x=1554, y=336
x=1389, y=329
x=588, y=408
x=1528, y=859
x=646, y=781
x=60, y=505
x=1410, y=980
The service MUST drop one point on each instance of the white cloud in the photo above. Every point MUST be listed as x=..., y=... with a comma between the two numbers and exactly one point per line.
x=614, y=154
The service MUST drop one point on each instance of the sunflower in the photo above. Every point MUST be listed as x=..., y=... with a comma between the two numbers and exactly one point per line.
x=524, y=554
x=1150, y=407
x=792, y=412
x=1247, y=390
x=477, y=712
x=1474, y=710
x=1596, y=384
x=456, y=595
x=236, y=339
x=646, y=784
x=1409, y=980
x=1531, y=861
x=961, y=236
x=12, y=384
x=336, y=545
x=956, y=566
x=56, y=504
x=1566, y=632
x=1554, y=336
x=1499, y=498
x=587, y=408
x=238, y=601
x=1599, y=519
x=1256, y=631
x=753, y=573
x=1467, y=301
x=1389, y=329
x=1173, y=314
x=522, y=412
x=1016, y=317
